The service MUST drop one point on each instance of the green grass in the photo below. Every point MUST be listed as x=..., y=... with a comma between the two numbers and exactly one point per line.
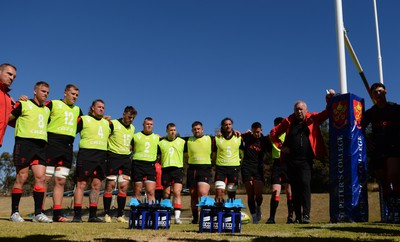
x=262, y=232
x=318, y=230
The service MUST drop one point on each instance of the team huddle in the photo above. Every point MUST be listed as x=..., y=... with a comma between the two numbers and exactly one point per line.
x=111, y=151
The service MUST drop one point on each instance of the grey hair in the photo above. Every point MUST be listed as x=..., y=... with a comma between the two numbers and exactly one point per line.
x=298, y=102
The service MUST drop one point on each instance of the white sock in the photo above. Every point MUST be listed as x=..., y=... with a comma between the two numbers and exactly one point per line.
x=177, y=214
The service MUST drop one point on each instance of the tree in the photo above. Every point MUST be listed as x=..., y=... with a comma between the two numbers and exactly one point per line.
x=320, y=174
x=7, y=173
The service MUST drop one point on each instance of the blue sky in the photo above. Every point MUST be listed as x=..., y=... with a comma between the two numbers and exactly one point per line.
x=181, y=61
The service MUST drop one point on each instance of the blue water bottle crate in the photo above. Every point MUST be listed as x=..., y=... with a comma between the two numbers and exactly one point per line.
x=220, y=217
x=161, y=214
x=206, y=205
x=232, y=219
x=139, y=217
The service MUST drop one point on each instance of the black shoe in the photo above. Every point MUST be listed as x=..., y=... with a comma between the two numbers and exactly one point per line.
x=270, y=221
x=297, y=221
x=195, y=221
x=95, y=220
x=61, y=219
x=306, y=219
x=77, y=219
x=290, y=220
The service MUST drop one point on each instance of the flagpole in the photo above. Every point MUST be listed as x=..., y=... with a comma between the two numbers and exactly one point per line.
x=378, y=44
x=341, y=46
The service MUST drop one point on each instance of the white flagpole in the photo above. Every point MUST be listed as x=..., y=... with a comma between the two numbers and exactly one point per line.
x=341, y=46
x=378, y=44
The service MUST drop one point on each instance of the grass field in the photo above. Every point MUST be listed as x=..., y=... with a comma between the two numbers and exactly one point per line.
x=319, y=230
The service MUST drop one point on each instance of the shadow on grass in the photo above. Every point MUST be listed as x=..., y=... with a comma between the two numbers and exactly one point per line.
x=299, y=239
x=278, y=239
x=111, y=240
x=85, y=212
x=369, y=230
x=58, y=238
x=36, y=237
x=254, y=238
x=202, y=240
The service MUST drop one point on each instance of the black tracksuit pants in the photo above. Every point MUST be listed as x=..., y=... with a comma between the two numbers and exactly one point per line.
x=299, y=174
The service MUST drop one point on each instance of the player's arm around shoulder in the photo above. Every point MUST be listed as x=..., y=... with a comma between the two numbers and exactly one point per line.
x=278, y=130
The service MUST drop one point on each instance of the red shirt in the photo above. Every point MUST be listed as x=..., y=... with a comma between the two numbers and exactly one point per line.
x=5, y=109
x=313, y=122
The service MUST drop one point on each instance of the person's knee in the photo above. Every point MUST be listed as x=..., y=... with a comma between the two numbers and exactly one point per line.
x=47, y=180
x=220, y=192
x=40, y=178
x=203, y=188
x=123, y=187
x=21, y=178
x=138, y=187
x=109, y=187
x=167, y=193
x=96, y=187
x=150, y=187
x=177, y=194
x=81, y=184
x=96, y=184
x=59, y=181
